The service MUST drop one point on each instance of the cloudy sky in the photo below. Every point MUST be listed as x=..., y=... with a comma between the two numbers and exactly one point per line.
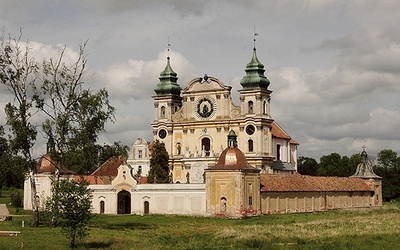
x=334, y=66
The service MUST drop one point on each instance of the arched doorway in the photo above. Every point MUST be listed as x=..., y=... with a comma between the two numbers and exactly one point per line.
x=206, y=145
x=102, y=206
x=124, y=202
x=146, y=208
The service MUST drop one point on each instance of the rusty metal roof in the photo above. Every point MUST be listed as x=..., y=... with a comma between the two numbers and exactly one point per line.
x=232, y=158
x=306, y=183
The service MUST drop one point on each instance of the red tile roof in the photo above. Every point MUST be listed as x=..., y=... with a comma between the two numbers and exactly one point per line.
x=90, y=179
x=304, y=183
x=278, y=132
x=47, y=165
x=110, y=167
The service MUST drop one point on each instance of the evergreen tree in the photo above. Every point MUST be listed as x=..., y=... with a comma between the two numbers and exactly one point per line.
x=159, y=169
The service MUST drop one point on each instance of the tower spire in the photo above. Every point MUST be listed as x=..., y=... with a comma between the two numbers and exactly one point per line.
x=168, y=79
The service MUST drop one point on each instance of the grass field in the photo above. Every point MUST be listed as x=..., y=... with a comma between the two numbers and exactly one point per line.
x=340, y=229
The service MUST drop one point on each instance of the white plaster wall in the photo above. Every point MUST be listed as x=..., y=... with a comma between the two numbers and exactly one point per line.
x=180, y=199
x=106, y=194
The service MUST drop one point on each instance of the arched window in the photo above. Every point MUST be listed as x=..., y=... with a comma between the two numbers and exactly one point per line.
x=264, y=107
x=250, y=200
x=205, y=146
x=102, y=207
x=251, y=145
x=250, y=107
x=223, y=205
x=162, y=112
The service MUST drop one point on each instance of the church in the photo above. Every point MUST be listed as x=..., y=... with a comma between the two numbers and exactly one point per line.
x=224, y=159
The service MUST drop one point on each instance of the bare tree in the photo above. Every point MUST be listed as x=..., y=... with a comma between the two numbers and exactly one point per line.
x=18, y=72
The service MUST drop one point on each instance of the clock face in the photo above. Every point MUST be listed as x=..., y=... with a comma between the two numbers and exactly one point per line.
x=250, y=129
x=205, y=108
x=162, y=133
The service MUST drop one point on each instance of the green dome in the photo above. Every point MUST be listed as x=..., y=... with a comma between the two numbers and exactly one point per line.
x=168, y=82
x=254, y=77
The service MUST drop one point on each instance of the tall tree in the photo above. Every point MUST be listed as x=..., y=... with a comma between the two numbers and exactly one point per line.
x=159, y=169
x=108, y=151
x=18, y=73
x=335, y=165
x=307, y=166
x=71, y=204
x=75, y=114
x=388, y=167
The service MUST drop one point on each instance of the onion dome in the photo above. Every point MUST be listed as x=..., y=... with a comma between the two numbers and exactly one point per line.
x=254, y=78
x=233, y=158
x=168, y=82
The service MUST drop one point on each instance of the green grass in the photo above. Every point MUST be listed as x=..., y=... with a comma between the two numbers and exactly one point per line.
x=340, y=229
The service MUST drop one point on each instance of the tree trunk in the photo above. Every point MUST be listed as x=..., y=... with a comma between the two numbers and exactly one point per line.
x=35, y=208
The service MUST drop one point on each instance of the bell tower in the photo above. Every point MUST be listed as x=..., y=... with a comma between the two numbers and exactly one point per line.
x=166, y=102
x=255, y=98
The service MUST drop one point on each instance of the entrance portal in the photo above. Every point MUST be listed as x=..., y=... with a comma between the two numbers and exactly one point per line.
x=124, y=202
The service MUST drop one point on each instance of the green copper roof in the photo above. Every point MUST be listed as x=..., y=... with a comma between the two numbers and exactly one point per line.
x=168, y=82
x=254, y=77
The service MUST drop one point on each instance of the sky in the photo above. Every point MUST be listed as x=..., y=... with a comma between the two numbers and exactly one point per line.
x=334, y=66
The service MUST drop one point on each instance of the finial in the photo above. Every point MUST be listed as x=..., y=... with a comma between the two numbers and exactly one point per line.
x=168, y=46
x=364, y=154
x=254, y=37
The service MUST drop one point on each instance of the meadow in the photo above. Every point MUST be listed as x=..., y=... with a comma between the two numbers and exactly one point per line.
x=376, y=228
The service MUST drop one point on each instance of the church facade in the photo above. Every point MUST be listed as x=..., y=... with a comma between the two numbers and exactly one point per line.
x=193, y=123
x=225, y=160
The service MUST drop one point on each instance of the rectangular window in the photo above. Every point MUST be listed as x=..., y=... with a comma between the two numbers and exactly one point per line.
x=140, y=154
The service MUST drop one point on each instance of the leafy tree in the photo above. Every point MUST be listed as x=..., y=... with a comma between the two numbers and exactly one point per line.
x=107, y=151
x=307, y=166
x=335, y=165
x=159, y=169
x=70, y=203
x=388, y=167
x=18, y=73
x=75, y=114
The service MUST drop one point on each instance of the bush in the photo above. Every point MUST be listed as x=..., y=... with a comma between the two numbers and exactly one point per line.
x=16, y=198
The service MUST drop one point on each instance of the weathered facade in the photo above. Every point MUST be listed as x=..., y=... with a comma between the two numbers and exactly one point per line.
x=251, y=173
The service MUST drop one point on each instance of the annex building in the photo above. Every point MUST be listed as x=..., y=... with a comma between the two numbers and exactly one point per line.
x=225, y=160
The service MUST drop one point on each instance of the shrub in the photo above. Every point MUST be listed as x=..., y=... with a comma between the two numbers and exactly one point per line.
x=16, y=198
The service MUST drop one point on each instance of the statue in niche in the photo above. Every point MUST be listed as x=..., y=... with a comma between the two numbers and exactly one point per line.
x=187, y=177
x=187, y=152
x=203, y=151
x=196, y=154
